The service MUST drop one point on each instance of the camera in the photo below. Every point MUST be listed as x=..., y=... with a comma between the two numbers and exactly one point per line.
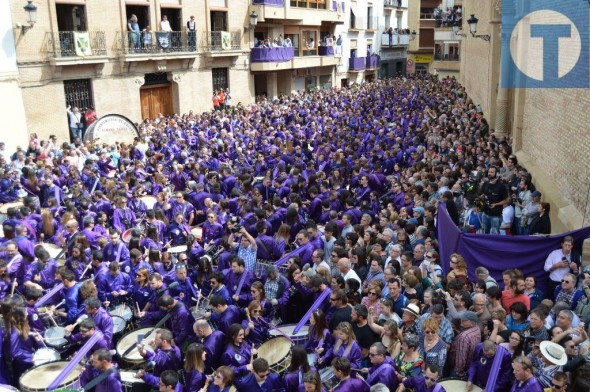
x=236, y=228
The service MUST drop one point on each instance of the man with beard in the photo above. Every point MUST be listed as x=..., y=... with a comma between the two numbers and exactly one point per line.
x=515, y=294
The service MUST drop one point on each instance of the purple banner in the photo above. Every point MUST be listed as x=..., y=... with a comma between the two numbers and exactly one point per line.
x=264, y=55
x=357, y=63
x=279, y=3
x=326, y=51
x=499, y=252
x=373, y=61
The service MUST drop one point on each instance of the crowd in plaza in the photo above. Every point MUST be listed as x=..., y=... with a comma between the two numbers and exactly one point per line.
x=307, y=221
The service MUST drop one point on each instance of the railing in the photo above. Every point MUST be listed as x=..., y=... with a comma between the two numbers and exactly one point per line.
x=427, y=15
x=396, y=3
x=395, y=40
x=76, y=43
x=279, y=3
x=222, y=40
x=373, y=61
x=446, y=57
x=357, y=63
x=156, y=42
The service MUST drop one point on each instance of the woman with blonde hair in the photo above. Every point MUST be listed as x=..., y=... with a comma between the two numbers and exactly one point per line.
x=346, y=346
x=432, y=348
x=47, y=227
x=458, y=267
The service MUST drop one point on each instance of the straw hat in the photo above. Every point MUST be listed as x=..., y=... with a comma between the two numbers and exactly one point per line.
x=554, y=353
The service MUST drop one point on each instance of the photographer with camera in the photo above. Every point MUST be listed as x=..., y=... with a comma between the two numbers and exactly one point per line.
x=246, y=248
x=495, y=195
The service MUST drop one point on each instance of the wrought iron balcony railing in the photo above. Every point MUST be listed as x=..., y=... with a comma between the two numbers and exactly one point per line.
x=222, y=41
x=156, y=42
x=76, y=44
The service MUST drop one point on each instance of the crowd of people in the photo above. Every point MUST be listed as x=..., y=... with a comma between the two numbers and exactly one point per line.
x=309, y=218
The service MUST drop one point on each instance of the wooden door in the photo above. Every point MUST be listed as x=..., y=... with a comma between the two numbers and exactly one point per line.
x=156, y=100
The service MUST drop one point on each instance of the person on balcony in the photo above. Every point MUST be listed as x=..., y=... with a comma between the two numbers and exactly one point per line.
x=134, y=32
x=147, y=38
x=165, y=25
x=191, y=27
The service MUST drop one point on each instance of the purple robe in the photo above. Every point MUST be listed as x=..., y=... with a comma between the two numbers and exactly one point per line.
x=165, y=359
x=352, y=385
x=45, y=271
x=231, y=315
x=110, y=384
x=237, y=358
x=119, y=252
x=383, y=373
x=272, y=383
x=214, y=346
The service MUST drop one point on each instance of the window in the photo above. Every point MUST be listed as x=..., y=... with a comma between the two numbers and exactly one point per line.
x=70, y=17
x=326, y=82
x=218, y=21
x=315, y=4
x=295, y=41
x=78, y=93
x=220, y=78
x=310, y=42
x=446, y=51
x=371, y=25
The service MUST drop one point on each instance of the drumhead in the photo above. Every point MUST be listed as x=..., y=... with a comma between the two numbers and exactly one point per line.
x=275, y=350
x=119, y=324
x=129, y=377
x=55, y=336
x=149, y=201
x=288, y=329
x=177, y=249
x=52, y=249
x=457, y=385
x=39, y=377
x=7, y=388
x=126, y=313
x=45, y=355
x=197, y=232
x=129, y=339
x=4, y=207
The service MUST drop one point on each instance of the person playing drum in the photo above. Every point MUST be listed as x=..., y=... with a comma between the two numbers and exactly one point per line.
x=257, y=293
x=167, y=382
x=101, y=318
x=260, y=377
x=238, y=354
x=123, y=217
x=218, y=287
x=32, y=295
x=311, y=383
x=184, y=289
x=298, y=367
x=101, y=362
x=223, y=315
x=165, y=356
x=425, y=383
x=21, y=345
x=115, y=286
x=319, y=337
x=180, y=319
x=115, y=250
x=41, y=274
x=237, y=274
x=87, y=330
x=346, y=346
x=194, y=367
x=256, y=328
x=74, y=303
x=342, y=368
x=213, y=341
x=223, y=379
x=151, y=313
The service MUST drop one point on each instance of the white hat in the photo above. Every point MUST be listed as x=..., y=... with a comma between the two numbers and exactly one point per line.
x=554, y=353
x=413, y=310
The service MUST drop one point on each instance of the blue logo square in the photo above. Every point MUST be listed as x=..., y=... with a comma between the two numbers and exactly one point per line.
x=545, y=44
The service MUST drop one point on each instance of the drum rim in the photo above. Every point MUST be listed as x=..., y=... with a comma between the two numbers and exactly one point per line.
x=62, y=386
x=122, y=338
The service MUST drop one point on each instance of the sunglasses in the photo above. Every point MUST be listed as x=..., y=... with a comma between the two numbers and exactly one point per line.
x=372, y=293
x=558, y=386
x=566, y=281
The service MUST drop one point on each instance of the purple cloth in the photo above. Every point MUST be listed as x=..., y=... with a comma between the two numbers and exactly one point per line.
x=214, y=346
x=326, y=51
x=104, y=322
x=279, y=3
x=357, y=63
x=164, y=359
x=383, y=373
x=373, y=61
x=418, y=384
x=272, y=383
x=110, y=384
x=352, y=385
x=231, y=315
x=525, y=253
x=479, y=372
x=263, y=55
x=237, y=358
x=530, y=385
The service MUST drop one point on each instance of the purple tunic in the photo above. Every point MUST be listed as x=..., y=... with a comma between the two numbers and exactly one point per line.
x=383, y=373
x=352, y=385
x=164, y=359
x=214, y=346
x=232, y=315
x=46, y=273
x=237, y=358
x=110, y=384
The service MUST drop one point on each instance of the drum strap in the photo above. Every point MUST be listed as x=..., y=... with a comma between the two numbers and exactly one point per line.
x=158, y=325
x=119, y=252
x=437, y=388
x=99, y=379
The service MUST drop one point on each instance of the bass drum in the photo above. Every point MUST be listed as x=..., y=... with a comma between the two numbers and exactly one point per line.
x=451, y=384
x=38, y=378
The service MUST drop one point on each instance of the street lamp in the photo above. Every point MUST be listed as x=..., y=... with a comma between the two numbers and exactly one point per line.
x=31, y=14
x=253, y=21
x=473, y=29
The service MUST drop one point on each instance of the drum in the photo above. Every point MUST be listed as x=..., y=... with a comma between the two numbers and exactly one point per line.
x=123, y=310
x=311, y=359
x=45, y=355
x=177, y=249
x=150, y=201
x=55, y=337
x=299, y=338
x=38, y=378
x=455, y=384
x=7, y=388
x=4, y=207
x=277, y=351
x=127, y=235
x=119, y=325
x=52, y=249
x=197, y=232
x=329, y=379
x=199, y=313
x=132, y=384
x=133, y=358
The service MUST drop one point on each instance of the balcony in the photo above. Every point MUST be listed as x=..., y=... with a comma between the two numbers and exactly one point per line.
x=76, y=47
x=297, y=62
x=222, y=43
x=447, y=57
x=277, y=3
x=311, y=14
x=357, y=64
x=373, y=61
x=265, y=55
x=133, y=47
x=389, y=41
x=395, y=4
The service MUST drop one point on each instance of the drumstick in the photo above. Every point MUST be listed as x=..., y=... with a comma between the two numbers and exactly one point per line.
x=13, y=287
x=85, y=270
x=138, y=310
x=199, y=299
x=52, y=319
x=360, y=370
x=122, y=310
x=248, y=315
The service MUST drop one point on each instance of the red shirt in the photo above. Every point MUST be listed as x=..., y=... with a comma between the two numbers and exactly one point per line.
x=508, y=299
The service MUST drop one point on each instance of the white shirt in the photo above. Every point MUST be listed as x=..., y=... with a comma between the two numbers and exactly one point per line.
x=353, y=275
x=165, y=25
x=322, y=264
x=554, y=258
x=507, y=216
